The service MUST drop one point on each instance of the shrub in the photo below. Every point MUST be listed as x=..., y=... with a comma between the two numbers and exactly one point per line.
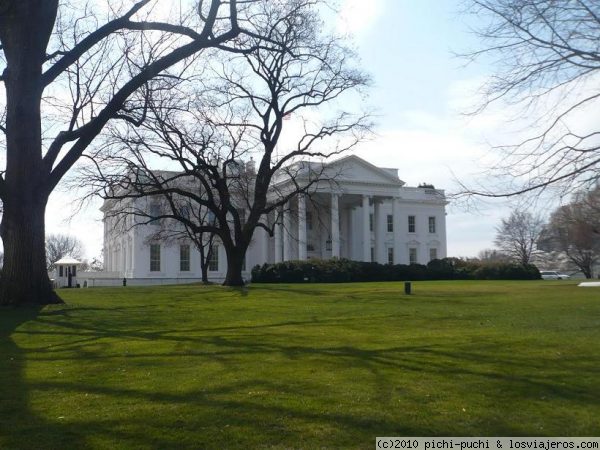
x=441, y=269
x=506, y=271
x=341, y=270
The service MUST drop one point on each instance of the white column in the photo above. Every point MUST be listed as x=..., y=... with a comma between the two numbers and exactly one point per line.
x=366, y=210
x=396, y=216
x=124, y=256
x=301, y=227
x=287, y=230
x=134, y=253
x=278, y=239
x=130, y=257
x=378, y=224
x=335, y=227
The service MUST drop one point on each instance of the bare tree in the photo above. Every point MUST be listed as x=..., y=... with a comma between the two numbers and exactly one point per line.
x=590, y=206
x=59, y=246
x=548, y=61
x=573, y=231
x=212, y=131
x=517, y=236
x=68, y=73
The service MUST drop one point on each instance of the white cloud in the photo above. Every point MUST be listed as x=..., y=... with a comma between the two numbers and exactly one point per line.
x=357, y=16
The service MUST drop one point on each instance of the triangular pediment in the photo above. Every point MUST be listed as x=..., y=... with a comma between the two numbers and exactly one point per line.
x=355, y=169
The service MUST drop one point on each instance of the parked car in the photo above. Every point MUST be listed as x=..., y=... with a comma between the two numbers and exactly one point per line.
x=552, y=275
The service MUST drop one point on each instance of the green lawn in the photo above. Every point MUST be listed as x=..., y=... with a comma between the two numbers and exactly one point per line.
x=300, y=366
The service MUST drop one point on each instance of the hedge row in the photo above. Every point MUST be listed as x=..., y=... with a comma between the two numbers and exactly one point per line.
x=344, y=271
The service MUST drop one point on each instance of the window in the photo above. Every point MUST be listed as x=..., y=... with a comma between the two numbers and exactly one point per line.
x=213, y=261
x=370, y=222
x=310, y=247
x=390, y=255
x=154, y=257
x=60, y=271
x=433, y=254
x=184, y=258
x=74, y=271
x=432, y=224
x=412, y=255
x=390, y=223
x=411, y=224
x=309, y=224
x=328, y=245
x=372, y=254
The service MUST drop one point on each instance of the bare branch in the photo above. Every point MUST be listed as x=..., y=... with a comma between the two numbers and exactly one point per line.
x=548, y=61
x=212, y=128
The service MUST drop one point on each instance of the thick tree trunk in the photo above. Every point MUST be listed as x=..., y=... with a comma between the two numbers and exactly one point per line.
x=235, y=262
x=25, y=28
x=205, y=274
x=24, y=275
x=204, y=263
x=583, y=263
x=587, y=271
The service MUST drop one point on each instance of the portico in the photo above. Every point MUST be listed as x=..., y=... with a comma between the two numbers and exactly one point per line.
x=331, y=225
x=358, y=215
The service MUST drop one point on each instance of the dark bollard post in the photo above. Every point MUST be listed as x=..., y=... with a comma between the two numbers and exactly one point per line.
x=407, y=288
x=124, y=281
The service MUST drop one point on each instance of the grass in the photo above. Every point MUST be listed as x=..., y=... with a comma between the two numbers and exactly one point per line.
x=300, y=366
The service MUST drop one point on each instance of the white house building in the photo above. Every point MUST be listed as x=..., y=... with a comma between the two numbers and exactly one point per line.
x=363, y=213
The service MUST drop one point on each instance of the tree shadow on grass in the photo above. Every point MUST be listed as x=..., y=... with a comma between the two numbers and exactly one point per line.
x=225, y=411
x=20, y=426
x=225, y=405
x=264, y=339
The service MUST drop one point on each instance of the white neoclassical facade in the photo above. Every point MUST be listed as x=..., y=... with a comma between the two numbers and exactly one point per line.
x=363, y=213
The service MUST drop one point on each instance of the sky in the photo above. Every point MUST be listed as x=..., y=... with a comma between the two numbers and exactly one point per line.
x=420, y=93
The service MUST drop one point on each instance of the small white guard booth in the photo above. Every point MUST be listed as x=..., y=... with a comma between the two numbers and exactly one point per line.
x=66, y=272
